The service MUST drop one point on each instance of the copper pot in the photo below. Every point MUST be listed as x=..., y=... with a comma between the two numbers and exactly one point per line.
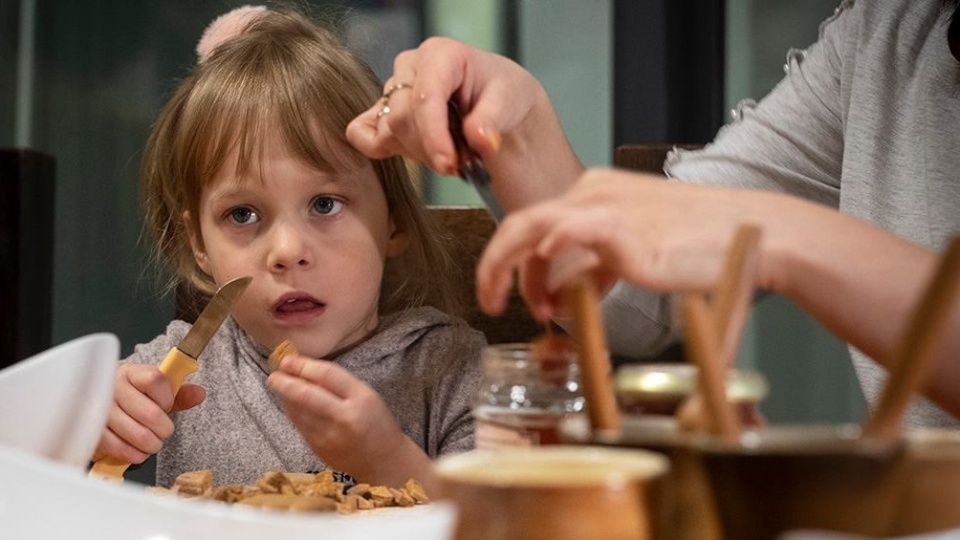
x=689, y=505
x=555, y=493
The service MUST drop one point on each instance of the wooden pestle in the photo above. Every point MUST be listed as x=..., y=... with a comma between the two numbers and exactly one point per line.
x=730, y=304
x=700, y=338
x=582, y=300
x=734, y=291
x=913, y=358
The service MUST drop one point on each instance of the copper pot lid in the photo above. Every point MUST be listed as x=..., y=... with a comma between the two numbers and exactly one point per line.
x=670, y=382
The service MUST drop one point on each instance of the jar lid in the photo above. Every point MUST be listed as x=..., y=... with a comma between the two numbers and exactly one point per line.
x=666, y=382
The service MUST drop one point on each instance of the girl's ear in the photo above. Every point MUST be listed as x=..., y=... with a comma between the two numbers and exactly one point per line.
x=196, y=243
x=398, y=242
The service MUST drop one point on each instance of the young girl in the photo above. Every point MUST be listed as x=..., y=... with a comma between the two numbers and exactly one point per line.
x=248, y=173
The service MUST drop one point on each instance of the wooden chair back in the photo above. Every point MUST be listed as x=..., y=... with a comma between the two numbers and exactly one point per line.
x=466, y=232
x=650, y=158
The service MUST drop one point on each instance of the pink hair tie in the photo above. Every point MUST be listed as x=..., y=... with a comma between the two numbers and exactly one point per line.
x=226, y=27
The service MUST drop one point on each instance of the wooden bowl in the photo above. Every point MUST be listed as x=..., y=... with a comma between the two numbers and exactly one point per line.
x=555, y=493
x=784, y=478
x=929, y=480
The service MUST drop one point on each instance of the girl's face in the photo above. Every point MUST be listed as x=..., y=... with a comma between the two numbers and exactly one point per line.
x=314, y=243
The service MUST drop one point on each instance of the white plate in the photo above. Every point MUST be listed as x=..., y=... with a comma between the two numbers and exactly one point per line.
x=55, y=404
x=42, y=499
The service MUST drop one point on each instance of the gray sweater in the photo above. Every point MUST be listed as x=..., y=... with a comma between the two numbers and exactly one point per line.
x=867, y=120
x=424, y=366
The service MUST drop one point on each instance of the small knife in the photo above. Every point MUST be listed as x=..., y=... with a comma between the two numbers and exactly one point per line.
x=469, y=165
x=181, y=361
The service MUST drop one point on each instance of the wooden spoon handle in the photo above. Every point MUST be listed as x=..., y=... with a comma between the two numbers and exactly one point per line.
x=914, y=355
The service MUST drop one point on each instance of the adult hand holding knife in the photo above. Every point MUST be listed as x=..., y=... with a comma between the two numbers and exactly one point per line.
x=181, y=361
x=469, y=165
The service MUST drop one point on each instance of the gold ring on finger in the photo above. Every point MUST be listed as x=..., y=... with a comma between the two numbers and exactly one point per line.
x=393, y=88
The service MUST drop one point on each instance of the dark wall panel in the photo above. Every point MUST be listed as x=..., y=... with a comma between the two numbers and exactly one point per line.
x=26, y=253
x=9, y=21
x=668, y=70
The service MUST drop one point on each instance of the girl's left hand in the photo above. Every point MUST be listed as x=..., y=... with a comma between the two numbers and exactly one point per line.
x=346, y=422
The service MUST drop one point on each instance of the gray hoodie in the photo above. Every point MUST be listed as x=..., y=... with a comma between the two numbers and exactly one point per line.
x=424, y=365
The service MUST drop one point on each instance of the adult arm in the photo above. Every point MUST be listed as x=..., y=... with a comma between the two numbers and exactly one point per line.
x=858, y=280
x=791, y=142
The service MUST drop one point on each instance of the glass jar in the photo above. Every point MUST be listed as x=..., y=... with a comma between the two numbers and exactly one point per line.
x=524, y=394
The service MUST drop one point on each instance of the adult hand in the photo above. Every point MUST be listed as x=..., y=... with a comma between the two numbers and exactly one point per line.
x=508, y=120
x=651, y=232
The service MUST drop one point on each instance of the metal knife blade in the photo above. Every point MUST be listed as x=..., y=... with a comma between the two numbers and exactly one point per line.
x=469, y=165
x=212, y=316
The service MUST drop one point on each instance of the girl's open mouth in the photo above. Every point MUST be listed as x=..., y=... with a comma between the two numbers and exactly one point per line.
x=298, y=308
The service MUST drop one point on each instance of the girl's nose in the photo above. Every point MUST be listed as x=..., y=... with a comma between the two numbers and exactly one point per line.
x=288, y=248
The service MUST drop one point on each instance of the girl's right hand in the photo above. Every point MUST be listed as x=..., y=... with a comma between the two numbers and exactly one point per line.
x=138, y=421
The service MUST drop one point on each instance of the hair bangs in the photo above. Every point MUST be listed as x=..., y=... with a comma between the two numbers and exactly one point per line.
x=290, y=75
x=229, y=113
x=312, y=107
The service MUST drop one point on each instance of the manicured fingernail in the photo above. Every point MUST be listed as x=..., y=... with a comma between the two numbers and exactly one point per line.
x=444, y=164
x=493, y=137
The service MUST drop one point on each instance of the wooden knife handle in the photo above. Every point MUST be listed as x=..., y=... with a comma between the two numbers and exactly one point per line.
x=109, y=468
x=176, y=366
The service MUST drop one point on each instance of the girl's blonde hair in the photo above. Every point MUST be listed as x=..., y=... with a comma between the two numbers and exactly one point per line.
x=283, y=72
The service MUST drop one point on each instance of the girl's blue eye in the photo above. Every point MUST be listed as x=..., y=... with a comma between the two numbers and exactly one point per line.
x=243, y=215
x=327, y=206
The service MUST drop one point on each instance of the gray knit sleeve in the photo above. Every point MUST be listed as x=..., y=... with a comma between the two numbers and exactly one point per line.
x=792, y=141
x=453, y=399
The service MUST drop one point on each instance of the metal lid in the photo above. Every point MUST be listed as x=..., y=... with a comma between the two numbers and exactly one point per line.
x=668, y=382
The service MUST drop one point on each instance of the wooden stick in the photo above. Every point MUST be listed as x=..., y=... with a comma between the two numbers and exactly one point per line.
x=700, y=338
x=734, y=291
x=581, y=300
x=730, y=304
x=913, y=358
